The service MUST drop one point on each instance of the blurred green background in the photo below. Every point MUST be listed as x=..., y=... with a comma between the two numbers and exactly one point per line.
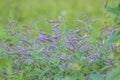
x=26, y=11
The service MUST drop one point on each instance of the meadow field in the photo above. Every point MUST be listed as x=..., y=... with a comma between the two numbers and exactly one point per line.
x=26, y=11
x=59, y=40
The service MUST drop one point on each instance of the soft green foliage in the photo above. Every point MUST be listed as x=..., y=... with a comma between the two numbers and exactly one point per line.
x=26, y=11
x=96, y=77
x=5, y=66
x=114, y=38
x=114, y=10
x=114, y=74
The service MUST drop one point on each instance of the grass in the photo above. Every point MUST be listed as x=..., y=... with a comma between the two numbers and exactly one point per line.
x=40, y=10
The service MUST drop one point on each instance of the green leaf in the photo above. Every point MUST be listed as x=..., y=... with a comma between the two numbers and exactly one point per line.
x=96, y=77
x=113, y=38
x=114, y=74
x=117, y=20
x=114, y=10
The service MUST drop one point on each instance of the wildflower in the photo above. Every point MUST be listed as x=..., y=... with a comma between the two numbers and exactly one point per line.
x=56, y=29
x=86, y=29
x=85, y=37
x=10, y=53
x=110, y=61
x=6, y=47
x=25, y=50
x=55, y=37
x=32, y=24
x=30, y=30
x=113, y=47
x=92, y=55
x=26, y=41
x=62, y=57
x=46, y=52
x=70, y=65
x=52, y=47
x=68, y=46
x=85, y=16
x=76, y=31
x=83, y=58
x=17, y=60
x=11, y=32
x=100, y=44
x=70, y=57
x=106, y=27
x=90, y=60
x=12, y=22
x=112, y=31
x=91, y=47
x=30, y=61
x=52, y=21
x=17, y=48
x=42, y=33
x=84, y=48
x=44, y=39
x=71, y=44
x=62, y=66
x=94, y=21
x=80, y=21
x=46, y=58
x=61, y=19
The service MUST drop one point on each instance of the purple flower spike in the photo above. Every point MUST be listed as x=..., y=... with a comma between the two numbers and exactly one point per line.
x=56, y=28
x=26, y=41
x=90, y=60
x=12, y=22
x=62, y=66
x=80, y=21
x=10, y=53
x=70, y=57
x=68, y=46
x=61, y=19
x=70, y=65
x=85, y=37
x=62, y=57
x=94, y=21
x=112, y=31
x=52, y=21
x=85, y=16
x=52, y=47
x=30, y=30
x=6, y=47
x=30, y=61
x=92, y=55
x=110, y=61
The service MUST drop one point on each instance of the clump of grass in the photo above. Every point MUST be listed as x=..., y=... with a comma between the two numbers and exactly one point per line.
x=63, y=55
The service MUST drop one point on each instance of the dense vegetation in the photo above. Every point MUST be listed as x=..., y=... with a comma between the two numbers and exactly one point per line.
x=88, y=51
